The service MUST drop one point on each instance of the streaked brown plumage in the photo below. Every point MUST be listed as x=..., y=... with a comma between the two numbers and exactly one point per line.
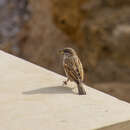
x=73, y=68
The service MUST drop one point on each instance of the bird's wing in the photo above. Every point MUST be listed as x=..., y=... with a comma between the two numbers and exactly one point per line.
x=80, y=68
x=73, y=68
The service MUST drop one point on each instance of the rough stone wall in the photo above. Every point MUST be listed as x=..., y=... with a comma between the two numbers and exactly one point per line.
x=13, y=14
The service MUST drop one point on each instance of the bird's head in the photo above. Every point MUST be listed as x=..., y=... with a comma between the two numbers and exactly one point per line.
x=67, y=52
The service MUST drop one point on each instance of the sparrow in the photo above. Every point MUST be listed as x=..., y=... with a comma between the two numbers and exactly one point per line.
x=73, y=68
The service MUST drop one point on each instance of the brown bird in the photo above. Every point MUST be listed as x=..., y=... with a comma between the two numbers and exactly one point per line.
x=73, y=68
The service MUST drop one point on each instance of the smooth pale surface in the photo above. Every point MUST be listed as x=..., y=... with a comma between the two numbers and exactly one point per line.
x=32, y=98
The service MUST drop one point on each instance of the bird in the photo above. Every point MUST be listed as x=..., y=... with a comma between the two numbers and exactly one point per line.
x=73, y=68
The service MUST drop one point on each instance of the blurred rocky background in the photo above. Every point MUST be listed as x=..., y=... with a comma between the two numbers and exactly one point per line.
x=98, y=29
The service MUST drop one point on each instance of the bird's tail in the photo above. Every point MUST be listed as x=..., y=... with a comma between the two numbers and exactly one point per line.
x=81, y=89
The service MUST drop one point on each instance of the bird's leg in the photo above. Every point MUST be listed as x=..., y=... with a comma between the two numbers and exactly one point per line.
x=65, y=82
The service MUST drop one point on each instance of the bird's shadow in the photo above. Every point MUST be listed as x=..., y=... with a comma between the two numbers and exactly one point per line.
x=49, y=90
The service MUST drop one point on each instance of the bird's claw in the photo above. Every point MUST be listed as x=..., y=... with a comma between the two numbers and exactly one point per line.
x=64, y=83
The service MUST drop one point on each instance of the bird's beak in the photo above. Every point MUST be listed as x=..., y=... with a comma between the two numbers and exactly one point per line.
x=61, y=52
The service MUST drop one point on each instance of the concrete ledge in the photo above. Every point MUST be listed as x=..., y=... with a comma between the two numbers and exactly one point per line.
x=32, y=98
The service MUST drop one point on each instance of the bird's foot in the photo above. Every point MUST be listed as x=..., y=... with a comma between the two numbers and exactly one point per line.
x=64, y=83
